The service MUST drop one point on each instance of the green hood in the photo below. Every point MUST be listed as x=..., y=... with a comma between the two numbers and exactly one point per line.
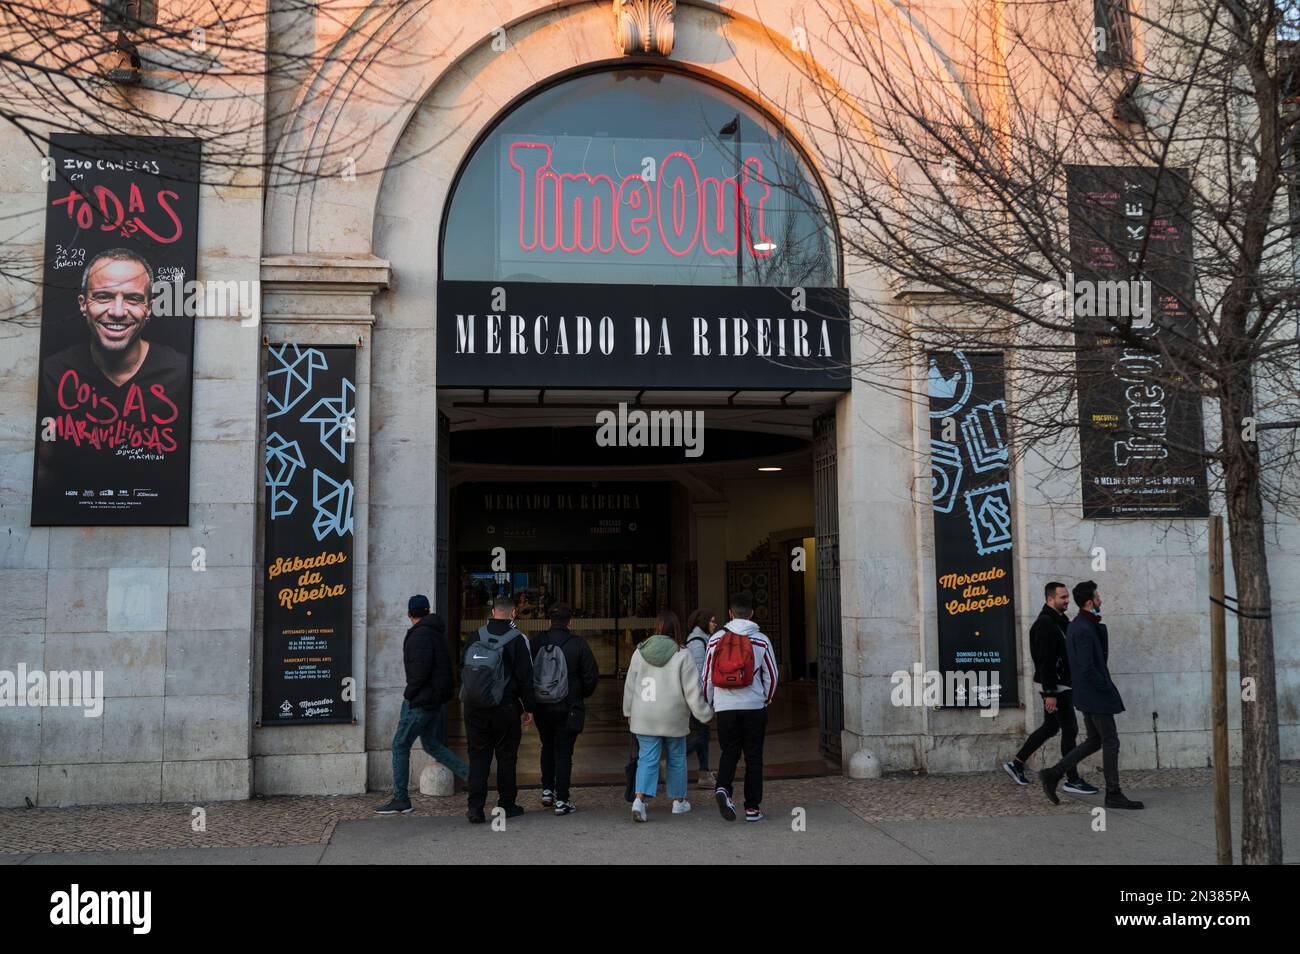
x=657, y=650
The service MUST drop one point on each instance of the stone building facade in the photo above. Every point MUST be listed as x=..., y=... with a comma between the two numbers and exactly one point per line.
x=353, y=260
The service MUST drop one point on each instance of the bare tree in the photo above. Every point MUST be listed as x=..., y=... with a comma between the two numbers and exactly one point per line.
x=952, y=175
x=231, y=73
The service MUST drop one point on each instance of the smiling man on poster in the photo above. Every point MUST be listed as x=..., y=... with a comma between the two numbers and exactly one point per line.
x=115, y=396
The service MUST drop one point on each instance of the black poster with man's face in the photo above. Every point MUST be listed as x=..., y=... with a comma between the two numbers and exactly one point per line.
x=113, y=401
x=974, y=564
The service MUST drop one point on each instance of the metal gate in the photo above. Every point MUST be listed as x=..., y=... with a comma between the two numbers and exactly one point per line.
x=442, y=520
x=826, y=519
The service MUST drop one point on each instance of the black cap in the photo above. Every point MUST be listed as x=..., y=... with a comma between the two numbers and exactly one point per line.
x=417, y=604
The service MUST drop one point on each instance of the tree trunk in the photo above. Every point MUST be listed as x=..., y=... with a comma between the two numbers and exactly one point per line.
x=1261, y=807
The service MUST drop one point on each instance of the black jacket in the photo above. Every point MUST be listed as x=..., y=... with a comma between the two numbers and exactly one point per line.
x=519, y=666
x=1089, y=648
x=581, y=661
x=1047, y=647
x=428, y=663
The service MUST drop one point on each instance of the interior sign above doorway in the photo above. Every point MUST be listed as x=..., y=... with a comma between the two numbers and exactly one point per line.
x=555, y=335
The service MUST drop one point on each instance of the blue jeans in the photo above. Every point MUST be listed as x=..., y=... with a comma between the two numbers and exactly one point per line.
x=427, y=726
x=647, y=766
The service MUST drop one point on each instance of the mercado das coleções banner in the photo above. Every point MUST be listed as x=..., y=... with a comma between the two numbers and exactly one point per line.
x=971, y=499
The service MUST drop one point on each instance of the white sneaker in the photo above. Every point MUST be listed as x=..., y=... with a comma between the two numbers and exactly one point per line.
x=681, y=806
x=638, y=811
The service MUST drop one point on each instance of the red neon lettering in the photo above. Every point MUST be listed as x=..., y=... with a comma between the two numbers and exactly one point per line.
x=682, y=204
x=755, y=204
x=530, y=158
x=633, y=195
x=585, y=213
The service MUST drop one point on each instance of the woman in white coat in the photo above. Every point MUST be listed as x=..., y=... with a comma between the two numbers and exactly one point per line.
x=660, y=695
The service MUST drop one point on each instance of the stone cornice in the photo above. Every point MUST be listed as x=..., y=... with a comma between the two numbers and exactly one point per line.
x=325, y=274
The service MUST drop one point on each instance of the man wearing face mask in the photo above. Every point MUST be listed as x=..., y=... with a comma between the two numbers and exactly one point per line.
x=1052, y=681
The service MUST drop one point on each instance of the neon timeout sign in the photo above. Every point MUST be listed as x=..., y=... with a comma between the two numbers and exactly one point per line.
x=676, y=210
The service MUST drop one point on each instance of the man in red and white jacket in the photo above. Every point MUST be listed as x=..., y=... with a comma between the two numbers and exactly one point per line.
x=741, y=711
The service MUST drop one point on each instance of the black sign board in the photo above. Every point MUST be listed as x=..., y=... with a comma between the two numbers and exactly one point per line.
x=609, y=521
x=113, y=402
x=1131, y=255
x=538, y=334
x=971, y=494
x=307, y=577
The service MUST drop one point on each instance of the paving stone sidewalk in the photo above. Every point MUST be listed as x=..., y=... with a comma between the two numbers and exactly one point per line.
x=289, y=821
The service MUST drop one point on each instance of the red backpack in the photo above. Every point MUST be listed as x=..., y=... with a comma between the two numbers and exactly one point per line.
x=733, y=661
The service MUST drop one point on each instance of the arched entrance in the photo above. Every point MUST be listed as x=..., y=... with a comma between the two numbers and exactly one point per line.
x=639, y=242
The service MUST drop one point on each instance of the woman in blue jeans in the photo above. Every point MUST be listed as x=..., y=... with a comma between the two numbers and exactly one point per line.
x=660, y=695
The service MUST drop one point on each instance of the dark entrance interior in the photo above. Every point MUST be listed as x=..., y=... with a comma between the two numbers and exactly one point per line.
x=538, y=510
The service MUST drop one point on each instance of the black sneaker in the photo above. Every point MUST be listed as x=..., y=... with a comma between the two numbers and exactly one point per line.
x=1050, y=780
x=725, y=805
x=548, y=797
x=476, y=816
x=1118, y=800
x=513, y=811
x=394, y=807
x=1017, y=772
x=1078, y=786
x=564, y=808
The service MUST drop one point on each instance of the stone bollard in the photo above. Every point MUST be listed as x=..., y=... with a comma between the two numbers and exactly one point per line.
x=437, y=779
x=864, y=764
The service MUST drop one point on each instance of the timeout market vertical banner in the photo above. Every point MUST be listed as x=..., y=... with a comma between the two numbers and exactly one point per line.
x=971, y=491
x=113, y=403
x=1140, y=435
x=307, y=521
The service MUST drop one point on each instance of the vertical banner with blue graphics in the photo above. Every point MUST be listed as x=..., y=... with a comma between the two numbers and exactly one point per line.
x=307, y=577
x=971, y=490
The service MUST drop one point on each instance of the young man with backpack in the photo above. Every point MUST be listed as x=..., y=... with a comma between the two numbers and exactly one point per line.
x=564, y=675
x=424, y=702
x=739, y=682
x=497, y=690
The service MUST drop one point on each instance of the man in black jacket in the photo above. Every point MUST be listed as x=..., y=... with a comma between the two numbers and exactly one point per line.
x=1096, y=696
x=424, y=703
x=558, y=723
x=498, y=729
x=1052, y=680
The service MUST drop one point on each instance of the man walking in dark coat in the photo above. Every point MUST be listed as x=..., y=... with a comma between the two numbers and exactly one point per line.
x=1052, y=680
x=424, y=703
x=1095, y=695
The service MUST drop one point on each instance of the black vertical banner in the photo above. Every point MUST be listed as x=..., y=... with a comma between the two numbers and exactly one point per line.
x=307, y=577
x=1140, y=433
x=971, y=493
x=113, y=403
